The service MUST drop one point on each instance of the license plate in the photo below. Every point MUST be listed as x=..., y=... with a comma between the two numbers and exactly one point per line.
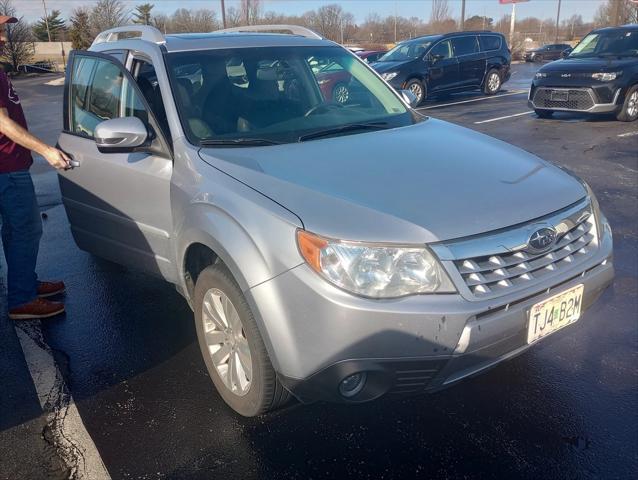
x=559, y=96
x=554, y=313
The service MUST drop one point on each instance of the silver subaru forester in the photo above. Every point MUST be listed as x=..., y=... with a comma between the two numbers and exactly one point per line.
x=332, y=246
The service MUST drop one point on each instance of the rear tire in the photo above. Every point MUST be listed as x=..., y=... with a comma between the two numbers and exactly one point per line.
x=629, y=110
x=254, y=389
x=544, y=113
x=492, y=83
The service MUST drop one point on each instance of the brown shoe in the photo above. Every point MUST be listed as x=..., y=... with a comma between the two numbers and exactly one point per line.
x=38, y=308
x=49, y=289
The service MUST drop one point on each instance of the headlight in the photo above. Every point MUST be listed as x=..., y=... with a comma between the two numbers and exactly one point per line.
x=540, y=75
x=389, y=76
x=606, y=77
x=374, y=270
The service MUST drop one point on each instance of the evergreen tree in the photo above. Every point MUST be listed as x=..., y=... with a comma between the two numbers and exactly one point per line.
x=142, y=14
x=57, y=27
x=80, y=32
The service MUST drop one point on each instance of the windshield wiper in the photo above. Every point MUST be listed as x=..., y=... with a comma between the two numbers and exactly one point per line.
x=237, y=142
x=344, y=128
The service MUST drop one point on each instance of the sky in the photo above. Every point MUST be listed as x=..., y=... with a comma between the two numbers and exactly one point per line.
x=33, y=9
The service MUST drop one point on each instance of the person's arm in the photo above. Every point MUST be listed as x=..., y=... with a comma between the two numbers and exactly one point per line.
x=19, y=135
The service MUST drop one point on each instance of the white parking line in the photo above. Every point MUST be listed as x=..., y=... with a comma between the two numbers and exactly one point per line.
x=518, y=92
x=503, y=118
x=628, y=134
x=58, y=82
x=68, y=434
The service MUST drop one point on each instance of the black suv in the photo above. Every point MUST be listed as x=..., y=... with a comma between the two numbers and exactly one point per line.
x=547, y=52
x=600, y=75
x=458, y=61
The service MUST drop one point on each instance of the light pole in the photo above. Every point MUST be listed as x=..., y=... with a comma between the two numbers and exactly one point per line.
x=462, y=15
x=223, y=14
x=557, y=20
x=46, y=19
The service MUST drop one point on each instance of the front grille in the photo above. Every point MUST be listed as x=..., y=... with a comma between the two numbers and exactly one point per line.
x=499, y=273
x=578, y=99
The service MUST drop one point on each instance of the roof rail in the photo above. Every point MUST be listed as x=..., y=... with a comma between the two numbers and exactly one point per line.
x=292, y=29
x=148, y=33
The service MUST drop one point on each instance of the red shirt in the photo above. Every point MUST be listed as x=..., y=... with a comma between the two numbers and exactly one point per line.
x=13, y=157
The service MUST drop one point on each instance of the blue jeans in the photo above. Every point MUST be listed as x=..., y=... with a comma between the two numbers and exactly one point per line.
x=21, y=232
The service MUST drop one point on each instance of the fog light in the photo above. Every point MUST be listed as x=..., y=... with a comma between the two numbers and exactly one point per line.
x=352, y=384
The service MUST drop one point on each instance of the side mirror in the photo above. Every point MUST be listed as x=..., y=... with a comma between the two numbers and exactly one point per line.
x=121, y=135
x=409, y=97
x=565, y=53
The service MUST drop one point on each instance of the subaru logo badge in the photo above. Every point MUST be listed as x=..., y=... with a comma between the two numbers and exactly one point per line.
x=541, y=240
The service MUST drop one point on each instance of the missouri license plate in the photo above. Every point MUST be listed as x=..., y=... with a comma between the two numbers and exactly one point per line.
x=554, y=313
x=559, y=96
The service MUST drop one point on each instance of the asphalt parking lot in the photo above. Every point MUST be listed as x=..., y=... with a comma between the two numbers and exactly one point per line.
x=129, y=380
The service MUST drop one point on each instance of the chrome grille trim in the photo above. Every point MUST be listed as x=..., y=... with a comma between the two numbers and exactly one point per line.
x=497, y=263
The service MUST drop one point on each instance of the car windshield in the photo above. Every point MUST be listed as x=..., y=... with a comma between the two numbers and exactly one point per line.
x=612, y=43
x=407, y=51
x=269, y=95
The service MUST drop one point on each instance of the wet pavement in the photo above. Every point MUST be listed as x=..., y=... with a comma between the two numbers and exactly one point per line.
x=127, y=350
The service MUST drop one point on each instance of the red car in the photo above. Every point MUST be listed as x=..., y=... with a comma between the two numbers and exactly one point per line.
x=371, y=56
x=334, y=83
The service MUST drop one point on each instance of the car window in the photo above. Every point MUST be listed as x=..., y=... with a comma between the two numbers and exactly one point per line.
x=442, y=50
x=146, y=77
x=407, y=51
x=490, y=42
x=465, y=45
x=284, y=93
x=608, y=43
x=100, y=91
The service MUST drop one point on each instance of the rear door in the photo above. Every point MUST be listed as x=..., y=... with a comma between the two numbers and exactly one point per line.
x=444, y=67
x=471, y=60
x=118, y=204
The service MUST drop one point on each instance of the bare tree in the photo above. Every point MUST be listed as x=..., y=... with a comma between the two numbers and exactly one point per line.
x=107, y=14
x=440, y=11
x=616, y=12
x=233, y=17
x=331, y=21
x=186, y=20
x=18, y=48
x=251, y=11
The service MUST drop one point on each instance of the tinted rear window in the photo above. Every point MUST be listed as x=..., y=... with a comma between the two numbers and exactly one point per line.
x=465, y=45
x=490, y=42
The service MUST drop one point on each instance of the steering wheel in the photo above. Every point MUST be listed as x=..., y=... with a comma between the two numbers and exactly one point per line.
x=322, y=107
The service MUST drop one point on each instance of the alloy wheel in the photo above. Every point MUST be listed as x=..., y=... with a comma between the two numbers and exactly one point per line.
x=417, y=90
x=226, y=341
x=341, y=94
x=632, y=105
x=494, y=82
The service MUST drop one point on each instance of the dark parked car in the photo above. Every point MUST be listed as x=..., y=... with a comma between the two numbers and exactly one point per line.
x=599, y=76
x=371, y=56
x=458, y=61
x=547, y=52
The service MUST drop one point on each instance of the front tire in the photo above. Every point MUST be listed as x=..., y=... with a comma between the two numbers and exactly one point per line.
x=544, y=113
x=629, y=110
x=418, y=89
x=232, y=347
x=492, y=83
x=538, y=59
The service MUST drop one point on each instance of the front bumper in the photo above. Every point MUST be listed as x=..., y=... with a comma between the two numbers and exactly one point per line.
x=599, y=99
x=317, y=335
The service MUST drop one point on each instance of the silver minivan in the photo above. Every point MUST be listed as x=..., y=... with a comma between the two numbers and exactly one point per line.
x=330, y=250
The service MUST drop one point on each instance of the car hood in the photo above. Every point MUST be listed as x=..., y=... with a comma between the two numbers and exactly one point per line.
x=383, y=67
x=423, y=183
x=595, y=64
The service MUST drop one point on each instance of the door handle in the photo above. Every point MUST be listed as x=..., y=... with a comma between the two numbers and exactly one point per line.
x=72, y=162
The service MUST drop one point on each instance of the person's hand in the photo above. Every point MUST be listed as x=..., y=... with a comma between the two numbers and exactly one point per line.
x=56, y=158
